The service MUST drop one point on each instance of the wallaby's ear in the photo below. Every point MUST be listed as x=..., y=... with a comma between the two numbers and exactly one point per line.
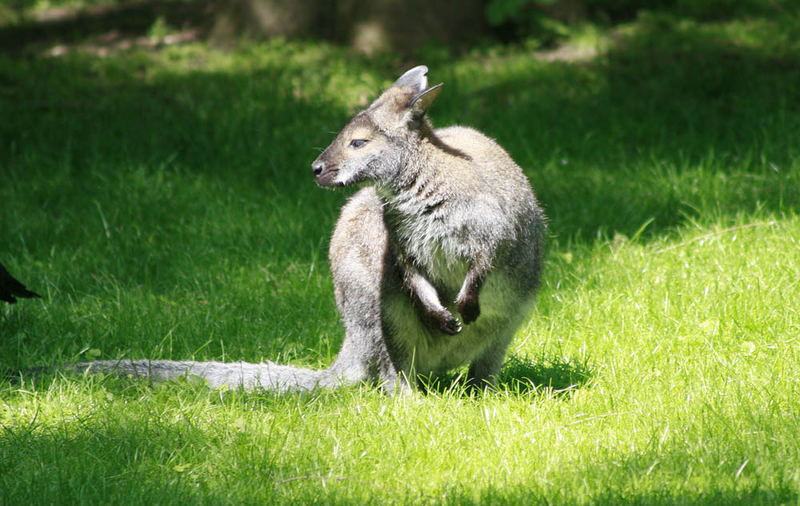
x=406, y=102
x=414, y=78
x=423, y=100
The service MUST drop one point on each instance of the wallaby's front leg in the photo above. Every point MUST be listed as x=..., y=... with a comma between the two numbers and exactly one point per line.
x=467, y=299
x=427, y=296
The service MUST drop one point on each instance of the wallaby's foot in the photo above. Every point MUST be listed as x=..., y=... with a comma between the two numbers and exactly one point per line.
x=481, y=386
x=469, y=307
x=397, y=386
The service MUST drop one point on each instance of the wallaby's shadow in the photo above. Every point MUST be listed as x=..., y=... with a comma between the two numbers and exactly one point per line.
x=520, y=376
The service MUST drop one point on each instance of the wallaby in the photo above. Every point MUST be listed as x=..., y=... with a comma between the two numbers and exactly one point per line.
x=448, y=223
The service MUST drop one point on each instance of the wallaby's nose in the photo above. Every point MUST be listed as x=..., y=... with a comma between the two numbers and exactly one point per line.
x=318, y=166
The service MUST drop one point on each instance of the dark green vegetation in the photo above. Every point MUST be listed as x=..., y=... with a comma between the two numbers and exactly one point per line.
x=161, y=202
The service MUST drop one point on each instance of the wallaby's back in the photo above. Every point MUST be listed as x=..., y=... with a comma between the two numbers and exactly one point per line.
x=522, y=218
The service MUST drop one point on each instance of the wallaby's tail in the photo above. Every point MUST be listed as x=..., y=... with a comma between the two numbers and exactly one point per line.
x=269, y=375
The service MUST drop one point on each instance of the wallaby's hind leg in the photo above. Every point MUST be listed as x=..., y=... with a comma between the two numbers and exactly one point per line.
x=484, y=370
x=358, y=255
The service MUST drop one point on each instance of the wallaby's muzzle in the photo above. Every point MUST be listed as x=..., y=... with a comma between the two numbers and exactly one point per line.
x=324, y=173
x=317, y=166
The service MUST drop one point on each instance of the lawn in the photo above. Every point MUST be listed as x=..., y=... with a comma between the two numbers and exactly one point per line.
x=160, y=199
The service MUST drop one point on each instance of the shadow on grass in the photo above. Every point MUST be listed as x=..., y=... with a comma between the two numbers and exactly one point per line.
x=166, y=456
x=595, y=137
x=522, y=376
x=677, y=120
x=138, y=460
x=106, y=22
x=665, y=496
x=518, y=376
x=228, y=153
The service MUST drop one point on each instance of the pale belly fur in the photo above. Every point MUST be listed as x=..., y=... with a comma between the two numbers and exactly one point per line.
x=434, y=351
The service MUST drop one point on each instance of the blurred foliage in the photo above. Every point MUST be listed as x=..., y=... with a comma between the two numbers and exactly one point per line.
x=548, y=20
x=500, y=11
x=513, y=19
x=700, y=9
x=380, y=26
x=16, y=10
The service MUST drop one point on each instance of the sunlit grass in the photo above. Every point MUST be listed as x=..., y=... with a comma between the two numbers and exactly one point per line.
x=162, y=204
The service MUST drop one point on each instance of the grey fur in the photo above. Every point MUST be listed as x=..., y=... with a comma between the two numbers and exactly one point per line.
x=247, y=375
x=448, y=224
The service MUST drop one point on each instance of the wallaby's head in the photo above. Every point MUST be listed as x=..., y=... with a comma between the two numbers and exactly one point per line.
x=376, y=144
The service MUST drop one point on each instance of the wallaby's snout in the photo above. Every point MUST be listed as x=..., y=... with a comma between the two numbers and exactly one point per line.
x=323, y=173
x=317, y=166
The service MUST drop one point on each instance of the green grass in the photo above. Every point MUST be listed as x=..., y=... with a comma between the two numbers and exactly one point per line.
x=162, y=204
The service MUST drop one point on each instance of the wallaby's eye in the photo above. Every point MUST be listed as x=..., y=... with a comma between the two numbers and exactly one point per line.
x=357, y=143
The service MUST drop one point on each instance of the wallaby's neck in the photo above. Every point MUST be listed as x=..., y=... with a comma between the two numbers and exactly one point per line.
x=425, y=156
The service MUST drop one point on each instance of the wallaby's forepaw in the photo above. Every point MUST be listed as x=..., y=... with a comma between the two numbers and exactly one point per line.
x=469, y=308
x=449, y=324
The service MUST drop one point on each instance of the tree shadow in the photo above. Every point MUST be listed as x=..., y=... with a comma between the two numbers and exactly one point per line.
x=617, y=494
x=110, y=127
x=102, y=457
x=618, y=141
x=104, y=23
x=670, y=98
